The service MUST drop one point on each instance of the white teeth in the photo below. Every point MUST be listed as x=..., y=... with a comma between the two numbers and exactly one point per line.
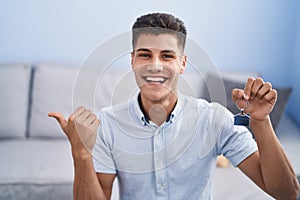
x=155, y=79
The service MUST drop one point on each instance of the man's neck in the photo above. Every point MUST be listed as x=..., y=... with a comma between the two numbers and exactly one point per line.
x=158, y=111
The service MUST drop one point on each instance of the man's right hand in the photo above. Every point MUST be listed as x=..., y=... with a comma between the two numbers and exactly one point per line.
x=81, y=130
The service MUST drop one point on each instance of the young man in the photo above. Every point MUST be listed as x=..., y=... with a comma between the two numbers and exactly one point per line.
x=163, y=145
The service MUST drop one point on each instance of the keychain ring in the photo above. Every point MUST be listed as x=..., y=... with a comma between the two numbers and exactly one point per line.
x=247, y=102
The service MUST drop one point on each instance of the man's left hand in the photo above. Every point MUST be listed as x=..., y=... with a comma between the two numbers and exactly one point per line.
x=261, y=96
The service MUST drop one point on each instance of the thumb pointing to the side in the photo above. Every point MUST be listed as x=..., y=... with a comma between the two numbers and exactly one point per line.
x=60, y=119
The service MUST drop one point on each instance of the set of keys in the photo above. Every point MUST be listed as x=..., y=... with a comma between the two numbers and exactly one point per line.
x=242, y=119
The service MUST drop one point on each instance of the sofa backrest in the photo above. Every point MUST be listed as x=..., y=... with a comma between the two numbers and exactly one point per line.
x=63, y=88
x=51, y=91
x=27, y=95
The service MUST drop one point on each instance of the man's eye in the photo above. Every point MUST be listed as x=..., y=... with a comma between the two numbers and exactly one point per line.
x=144, y=55
x=168, y=56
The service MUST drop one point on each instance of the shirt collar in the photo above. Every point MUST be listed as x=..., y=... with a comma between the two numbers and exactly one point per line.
x=145, y=120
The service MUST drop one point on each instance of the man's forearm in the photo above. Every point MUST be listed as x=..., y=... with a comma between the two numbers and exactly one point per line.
x=278, y=175
x=86, y=184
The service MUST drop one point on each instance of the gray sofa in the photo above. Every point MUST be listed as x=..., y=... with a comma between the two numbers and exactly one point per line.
x=35, y=156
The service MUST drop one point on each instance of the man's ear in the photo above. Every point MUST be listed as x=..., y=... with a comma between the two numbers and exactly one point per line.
x=183, y=64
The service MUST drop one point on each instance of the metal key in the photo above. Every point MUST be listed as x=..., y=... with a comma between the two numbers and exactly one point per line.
x=242, y=119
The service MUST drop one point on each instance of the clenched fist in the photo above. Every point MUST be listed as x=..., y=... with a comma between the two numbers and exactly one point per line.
x=81, y=130
x=261, y=96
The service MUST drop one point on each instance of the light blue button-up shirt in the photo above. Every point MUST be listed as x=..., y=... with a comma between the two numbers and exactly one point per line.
x=175, y=160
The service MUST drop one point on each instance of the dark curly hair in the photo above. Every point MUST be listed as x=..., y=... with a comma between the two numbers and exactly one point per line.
x=159, y=23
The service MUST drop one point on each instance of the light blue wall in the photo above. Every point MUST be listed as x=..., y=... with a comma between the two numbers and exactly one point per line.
x=294, y=107
x=239, y=35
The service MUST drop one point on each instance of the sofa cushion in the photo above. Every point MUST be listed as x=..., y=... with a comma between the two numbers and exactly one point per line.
x=52, y=91
x=36, y=169
x=14, y=93
x=283, y=94
x=64, y=88
x=114, y=86
x=192, y=83
x=219, y=86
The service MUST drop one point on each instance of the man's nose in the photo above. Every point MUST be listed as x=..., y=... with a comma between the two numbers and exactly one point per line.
x=156, y=65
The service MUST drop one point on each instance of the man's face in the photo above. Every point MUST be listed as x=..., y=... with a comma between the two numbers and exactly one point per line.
x=157, y=61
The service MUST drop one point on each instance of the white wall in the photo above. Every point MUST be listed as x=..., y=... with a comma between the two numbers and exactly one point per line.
x=239, y=35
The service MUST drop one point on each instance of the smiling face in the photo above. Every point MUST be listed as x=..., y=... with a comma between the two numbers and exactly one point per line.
x=157, y=61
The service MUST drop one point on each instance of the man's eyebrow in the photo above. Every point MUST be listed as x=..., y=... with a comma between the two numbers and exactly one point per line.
x=168, y=51
x=163, y=51
x=142, y=49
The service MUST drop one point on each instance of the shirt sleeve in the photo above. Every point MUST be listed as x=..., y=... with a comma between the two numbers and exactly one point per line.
x=235, y=142
x=102, y=156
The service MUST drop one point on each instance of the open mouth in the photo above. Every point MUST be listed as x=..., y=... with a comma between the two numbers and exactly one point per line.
x=155, y=80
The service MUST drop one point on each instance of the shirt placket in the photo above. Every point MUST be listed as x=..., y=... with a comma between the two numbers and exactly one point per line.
x=159, y=164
